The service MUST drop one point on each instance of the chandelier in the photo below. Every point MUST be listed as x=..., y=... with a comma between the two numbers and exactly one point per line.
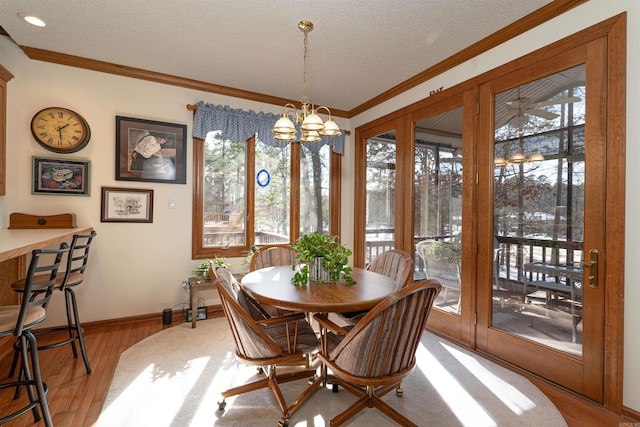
x=517, y=159
x=311, y=124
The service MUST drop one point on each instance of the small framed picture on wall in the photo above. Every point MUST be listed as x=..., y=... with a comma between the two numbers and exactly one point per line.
x=126, y=205
x=60, y=176
x=150, y=151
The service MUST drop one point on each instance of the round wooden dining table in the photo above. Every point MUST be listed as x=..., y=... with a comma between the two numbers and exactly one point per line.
x=272, y=286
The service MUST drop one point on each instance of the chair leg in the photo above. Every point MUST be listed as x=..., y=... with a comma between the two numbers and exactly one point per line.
x=78, y=329
x=275, y=388
x=14, y=362
x=74, y=328
x=370, y=397
x=392, y=413
x=273, y=382
x=70, y=329
x=40, y=386
x=24, y=377
x=352, y=410
x=255, y=385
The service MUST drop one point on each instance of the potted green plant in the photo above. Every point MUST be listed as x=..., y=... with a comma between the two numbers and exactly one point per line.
x=320, y=258
x=203, y=269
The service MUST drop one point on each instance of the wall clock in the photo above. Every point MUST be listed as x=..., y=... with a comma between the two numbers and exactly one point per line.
x=60, y=130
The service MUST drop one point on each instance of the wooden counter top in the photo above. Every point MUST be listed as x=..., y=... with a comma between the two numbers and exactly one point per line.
x=15, y=243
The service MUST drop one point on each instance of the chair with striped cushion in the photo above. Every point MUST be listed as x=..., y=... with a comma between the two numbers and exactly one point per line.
x=267, y=343
x=271, y=256
x=373, y=357
x=250, y=305
x=394, y=263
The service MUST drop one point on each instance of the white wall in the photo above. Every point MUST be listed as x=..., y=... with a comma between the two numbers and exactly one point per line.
x=590, y=13
x=137, y=268
x=134, y=268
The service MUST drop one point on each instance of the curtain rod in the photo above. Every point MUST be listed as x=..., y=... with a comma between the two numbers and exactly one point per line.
x=194, y=108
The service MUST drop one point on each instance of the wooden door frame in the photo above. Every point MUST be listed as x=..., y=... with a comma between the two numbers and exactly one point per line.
x=459, y=328
x=614, y=30
x=575, y=373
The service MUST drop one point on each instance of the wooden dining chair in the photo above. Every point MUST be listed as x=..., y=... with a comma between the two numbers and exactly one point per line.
x=249, y=304
x=267, y=343
x=373, y=357
x=272, y=256
x=394, y=263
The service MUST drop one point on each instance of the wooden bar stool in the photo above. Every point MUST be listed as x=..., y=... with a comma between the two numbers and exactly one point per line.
x=65, y=282
x=19, y=319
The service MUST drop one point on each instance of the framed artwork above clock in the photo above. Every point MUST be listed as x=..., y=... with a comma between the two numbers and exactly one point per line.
x=60, y=130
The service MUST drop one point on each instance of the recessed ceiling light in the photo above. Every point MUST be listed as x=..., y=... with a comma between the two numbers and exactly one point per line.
x=33, y=20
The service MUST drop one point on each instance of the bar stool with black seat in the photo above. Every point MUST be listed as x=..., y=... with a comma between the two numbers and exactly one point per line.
x=65, y=282
x=19, y=320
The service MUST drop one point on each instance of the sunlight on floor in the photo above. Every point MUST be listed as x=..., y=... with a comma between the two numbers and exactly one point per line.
x=460, y=402
x=162, y=388
x=508, y=394
x=175, y=387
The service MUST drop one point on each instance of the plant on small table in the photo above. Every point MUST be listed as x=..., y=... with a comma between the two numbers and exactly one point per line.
x=333, y=258
x=203, y=269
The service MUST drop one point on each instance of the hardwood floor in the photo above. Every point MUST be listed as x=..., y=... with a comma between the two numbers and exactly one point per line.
x=75, y=398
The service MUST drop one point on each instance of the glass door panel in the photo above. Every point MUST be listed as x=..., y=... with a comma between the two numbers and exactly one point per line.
x=438, y=205
x=541, y=303
x=380, y=206
x=539, y=183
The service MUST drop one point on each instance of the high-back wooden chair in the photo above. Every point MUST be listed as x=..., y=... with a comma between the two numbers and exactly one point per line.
x=394, y=263
x=267, y=343
x=18, y=320
x=271, y=256
x=374, y=356
x=250, y=305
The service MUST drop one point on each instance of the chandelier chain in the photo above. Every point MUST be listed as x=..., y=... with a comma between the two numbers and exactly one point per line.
x=304, y=99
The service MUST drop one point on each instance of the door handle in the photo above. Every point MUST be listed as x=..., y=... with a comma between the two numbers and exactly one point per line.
x=592, y=268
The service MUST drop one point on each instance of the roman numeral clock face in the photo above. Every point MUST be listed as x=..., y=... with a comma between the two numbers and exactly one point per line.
x=60, y=130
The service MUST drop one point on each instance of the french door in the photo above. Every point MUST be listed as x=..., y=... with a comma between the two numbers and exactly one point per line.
x=516, y=182
x=542, y=183
x=443, y=191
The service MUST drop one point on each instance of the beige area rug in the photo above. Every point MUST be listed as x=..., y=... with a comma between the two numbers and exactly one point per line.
x=174, y=378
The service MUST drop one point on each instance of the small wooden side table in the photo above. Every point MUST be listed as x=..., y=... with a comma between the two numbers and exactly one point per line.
x=195, y=284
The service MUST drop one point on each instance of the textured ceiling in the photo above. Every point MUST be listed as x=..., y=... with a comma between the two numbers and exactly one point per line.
x=358, y=49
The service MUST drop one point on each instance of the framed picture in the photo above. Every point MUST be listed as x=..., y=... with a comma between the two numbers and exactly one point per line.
x=60, y=176
x=126, y=205
x=150, y=151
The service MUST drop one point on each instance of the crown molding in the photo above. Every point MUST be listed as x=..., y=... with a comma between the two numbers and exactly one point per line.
x=544, y=14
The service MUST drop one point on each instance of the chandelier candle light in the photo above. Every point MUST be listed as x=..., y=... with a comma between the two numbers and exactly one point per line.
x=311, y=125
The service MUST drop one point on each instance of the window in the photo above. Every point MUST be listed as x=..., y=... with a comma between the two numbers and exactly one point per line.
x=249, y=193
x=381, y=195
x=315, y=189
